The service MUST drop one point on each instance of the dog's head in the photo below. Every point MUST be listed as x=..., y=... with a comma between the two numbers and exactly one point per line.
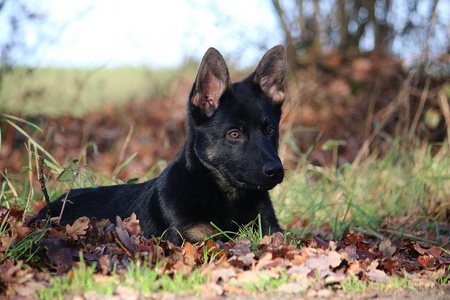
x=235, y=126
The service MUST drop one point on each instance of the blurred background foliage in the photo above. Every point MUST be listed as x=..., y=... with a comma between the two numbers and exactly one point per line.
x=365, y=127
x=406, y=29
x=360, y=71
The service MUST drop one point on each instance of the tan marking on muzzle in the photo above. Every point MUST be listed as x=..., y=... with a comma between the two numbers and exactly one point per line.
x=210, y=154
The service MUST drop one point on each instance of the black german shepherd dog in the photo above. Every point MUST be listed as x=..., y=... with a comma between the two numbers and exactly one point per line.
x=223, y=172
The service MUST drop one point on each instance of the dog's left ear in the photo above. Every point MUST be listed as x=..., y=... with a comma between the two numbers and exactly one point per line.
x=271, y=72
x=211, y=82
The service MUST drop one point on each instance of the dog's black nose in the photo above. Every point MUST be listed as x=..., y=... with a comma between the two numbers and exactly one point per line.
x=274, y=170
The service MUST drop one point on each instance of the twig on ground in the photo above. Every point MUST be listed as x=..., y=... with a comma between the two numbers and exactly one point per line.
x=44, y=188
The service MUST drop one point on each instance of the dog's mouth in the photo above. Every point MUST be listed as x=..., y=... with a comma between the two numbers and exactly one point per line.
x=252, y=186
x=244, y=184
x=224, y=180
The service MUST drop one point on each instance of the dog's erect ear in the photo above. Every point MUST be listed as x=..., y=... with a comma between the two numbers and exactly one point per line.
x=211, y=82
x=270, y=74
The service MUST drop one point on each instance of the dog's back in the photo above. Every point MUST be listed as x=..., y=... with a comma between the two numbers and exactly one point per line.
x=223, y=172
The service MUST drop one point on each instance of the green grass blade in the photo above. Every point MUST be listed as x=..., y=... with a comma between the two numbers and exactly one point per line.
x=225, y=233
x=54, y=164
x=22, y=120
x=126, y=162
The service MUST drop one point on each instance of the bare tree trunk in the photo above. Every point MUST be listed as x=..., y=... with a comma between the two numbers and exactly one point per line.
x=343, y=20
x=2, y=4
x=301, y=20
x=380, y=26
x=431, y=23
x=290, y=47
x=316, y=48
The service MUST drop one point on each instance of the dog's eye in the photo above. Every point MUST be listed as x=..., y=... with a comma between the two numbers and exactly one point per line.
x=234, y=134
x=270, y=130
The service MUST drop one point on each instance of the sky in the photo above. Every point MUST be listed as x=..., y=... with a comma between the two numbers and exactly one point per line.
x=156, y=33
x=82, y=33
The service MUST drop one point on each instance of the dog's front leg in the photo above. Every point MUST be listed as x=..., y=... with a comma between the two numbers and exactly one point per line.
x=269, y=222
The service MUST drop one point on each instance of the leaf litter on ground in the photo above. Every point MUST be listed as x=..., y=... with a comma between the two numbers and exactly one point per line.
x=278, y=263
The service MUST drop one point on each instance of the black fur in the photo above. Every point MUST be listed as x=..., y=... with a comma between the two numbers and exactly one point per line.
x=223, y=172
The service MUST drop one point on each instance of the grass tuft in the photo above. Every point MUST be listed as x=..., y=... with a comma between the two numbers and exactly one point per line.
x=78, y=281
x=399, y=185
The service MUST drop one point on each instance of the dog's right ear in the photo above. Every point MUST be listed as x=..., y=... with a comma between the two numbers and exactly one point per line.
x=211, y=82
x=271, y=72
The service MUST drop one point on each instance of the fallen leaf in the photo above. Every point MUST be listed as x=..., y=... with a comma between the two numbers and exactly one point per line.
x=334, y=259
x=386, y=248
x=242, y=247
x=324, y=261
x=298, y=273
x=266, y=240
x=248, y=259
x=354, y=268
x=131, y=225
x=14, y=274
x=317, y=263
x=298, y=260
x=182, y=268
x=364, y=254
x=352, y=238
x=21, y=230
x=222, y=274
x=391, y=265
x=190, y=254
x=419, y=249
x=265, y=260
x=377, y=275
x=428, y=261
x=59, y=255
x=374, y=274
x=321, y=243
x=78, y=227
x=126, y=240
x=105, y=264
x=5, y=242
x=435, y=251
x=351, y=252
x=277, y=238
